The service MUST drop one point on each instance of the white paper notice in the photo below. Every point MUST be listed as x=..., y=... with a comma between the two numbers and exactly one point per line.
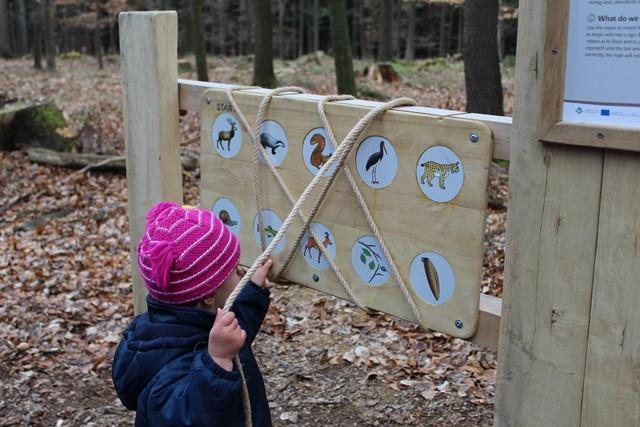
x=603, y=63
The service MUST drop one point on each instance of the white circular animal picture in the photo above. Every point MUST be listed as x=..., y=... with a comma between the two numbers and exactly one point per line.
x=316, y=150
x=440, y=174
x=432, y=278
x=377, y=162
x=310, y=247
x=274, y=140
x=228, y=213
x=226, y=135
x=272, y=224
x=369, y=262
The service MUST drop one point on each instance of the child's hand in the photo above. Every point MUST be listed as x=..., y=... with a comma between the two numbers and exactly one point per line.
x=225, y=339
x=260, y=276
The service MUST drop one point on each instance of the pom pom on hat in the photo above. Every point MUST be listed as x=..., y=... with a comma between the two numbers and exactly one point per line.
x=185, y=253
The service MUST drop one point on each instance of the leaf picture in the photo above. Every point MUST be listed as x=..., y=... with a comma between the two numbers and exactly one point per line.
x=366, y=252
x=363, y=259
x=383, y=268
x=372, y=265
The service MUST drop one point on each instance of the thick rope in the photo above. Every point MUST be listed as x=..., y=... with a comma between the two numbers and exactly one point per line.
x=367, y=213
x=257, y=148
x=338, y=157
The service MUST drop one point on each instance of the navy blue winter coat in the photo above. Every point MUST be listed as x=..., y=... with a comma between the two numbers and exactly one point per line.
x=163, y=370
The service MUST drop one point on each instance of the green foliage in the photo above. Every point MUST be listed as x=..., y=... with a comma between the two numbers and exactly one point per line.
x=368, y=92
x=71, y=55
x=48, y=117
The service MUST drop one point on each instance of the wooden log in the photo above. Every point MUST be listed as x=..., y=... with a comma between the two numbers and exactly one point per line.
x=80, y=160
x=149, y=58
x=40, y=125
x=612, y=377
x=551, y=241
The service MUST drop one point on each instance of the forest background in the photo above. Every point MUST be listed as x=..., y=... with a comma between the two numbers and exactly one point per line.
x=64, y=251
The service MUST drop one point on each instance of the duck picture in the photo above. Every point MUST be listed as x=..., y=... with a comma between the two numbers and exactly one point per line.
x=226, y=218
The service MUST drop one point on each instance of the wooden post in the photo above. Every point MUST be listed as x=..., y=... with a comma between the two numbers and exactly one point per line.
x=149, y=49
x=551, y=239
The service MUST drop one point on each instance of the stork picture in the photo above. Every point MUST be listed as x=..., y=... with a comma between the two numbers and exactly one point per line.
x=369, y=262
x=317, y=150
x=432, y=278
x=271, y=222
x=440, y=174
x=226, y=135
x=310, y=247
x=228, y=213
x=274, y=141
x=377, y=162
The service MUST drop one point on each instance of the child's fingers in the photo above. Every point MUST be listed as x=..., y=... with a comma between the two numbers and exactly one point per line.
x=261, y=274
x=227, y=318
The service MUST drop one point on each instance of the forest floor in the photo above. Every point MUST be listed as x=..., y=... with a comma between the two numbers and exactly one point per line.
x=65, y=275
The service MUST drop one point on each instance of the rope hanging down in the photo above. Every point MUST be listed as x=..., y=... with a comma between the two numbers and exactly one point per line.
x=258, y=149
x=339, y=156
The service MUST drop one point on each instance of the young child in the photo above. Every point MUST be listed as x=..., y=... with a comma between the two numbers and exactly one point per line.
x=174, y=365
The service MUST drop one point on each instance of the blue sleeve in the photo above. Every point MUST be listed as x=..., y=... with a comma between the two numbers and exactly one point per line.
x=250, y=308
x=203, y=395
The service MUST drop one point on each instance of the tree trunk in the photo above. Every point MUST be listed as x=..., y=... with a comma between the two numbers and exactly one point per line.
x=449, y=31
x=442, y=51
x=316, y=25
x=5, y=35
x=500, y=32
x=96, y=37
x=481, y=62
x=341, y=47
x=397, y=24
x=49, y=13
x=384, y=36
x=301, y=28
x=263, y=47
x=199, y=42
x=21, y=27
x=365, y=48
x=410, y=51
x=36, y=30
x=281, y=41
x=460, y=29
x=354, y=30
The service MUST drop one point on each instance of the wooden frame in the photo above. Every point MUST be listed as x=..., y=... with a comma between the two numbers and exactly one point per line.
x=154, y=33
x=554, y=60
x=569, y=347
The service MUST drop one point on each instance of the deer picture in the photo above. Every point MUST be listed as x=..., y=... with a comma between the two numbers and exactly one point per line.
x=226, y=135
x=317, y=158
x=311, y=243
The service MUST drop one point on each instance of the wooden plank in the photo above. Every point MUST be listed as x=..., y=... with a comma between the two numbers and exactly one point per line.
x=612, y=379
x=148, y=46
x=191, y=92
x=551, y=241
x=616, y=138
x=410, y=222
x=488, y=322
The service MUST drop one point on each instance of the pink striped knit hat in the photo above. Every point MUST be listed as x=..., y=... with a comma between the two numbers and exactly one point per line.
x=185, y=253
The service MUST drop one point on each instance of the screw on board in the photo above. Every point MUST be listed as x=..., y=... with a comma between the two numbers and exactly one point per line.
x=474, y=137
x=207, y=100
x=554, y=52
x=459, y=324
x=316, y=278
x=600, y=135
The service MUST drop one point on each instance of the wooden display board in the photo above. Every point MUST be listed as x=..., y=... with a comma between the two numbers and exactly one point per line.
x=426, y=191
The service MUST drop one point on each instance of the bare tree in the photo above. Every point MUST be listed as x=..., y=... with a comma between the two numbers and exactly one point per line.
x=198, y=40
x=6, y=49
x=22, y=35
x=410, y=50
x=96, y=37
x=263, y=46
x=341, y=47
x=481, y=62
x=384, y=37
x=316, y=25
x=49, y=14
